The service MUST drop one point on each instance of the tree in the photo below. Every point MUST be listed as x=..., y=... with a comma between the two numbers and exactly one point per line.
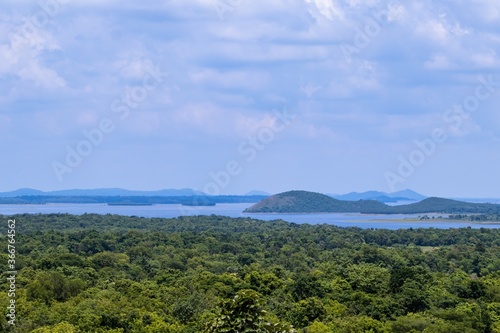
x=305, y=286
x=62, y=327
x=50, y=286
x=245, y=313
x=307, y=311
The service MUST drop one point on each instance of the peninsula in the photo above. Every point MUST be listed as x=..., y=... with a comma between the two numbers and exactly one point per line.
x=311, y=202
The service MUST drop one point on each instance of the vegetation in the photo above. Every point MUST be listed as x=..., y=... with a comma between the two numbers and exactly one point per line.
x=476, y=217
x=109, y=273
x=440, y=205
x=310, y=202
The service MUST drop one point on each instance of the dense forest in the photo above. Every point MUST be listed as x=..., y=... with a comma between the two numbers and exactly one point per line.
x=109, y=273
x=311, y=202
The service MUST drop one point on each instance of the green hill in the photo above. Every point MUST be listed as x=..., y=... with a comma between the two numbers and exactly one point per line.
x=311, y=202
x=441, y=205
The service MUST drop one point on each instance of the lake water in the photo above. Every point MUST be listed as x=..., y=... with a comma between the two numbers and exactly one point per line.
x=236, y=210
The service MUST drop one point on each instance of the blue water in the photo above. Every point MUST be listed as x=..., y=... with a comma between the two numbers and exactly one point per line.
x=236, y=210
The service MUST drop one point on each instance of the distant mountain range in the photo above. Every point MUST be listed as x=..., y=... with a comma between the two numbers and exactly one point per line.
x=371, y=202
x=405, y=195
x=311, y=202
x=114, y=192
x=256, y=192
x=102, y=192
x=117, y=196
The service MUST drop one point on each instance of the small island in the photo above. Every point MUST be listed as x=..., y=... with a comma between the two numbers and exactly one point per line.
x=129, y=204
x=198, y=204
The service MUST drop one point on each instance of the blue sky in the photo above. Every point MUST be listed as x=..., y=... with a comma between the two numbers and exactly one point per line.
x=228, y=96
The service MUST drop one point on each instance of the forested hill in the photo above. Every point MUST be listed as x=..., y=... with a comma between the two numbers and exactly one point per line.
x=441, y=205
x=311, y=202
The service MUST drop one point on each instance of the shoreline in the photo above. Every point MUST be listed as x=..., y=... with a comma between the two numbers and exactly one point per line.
x=400, y=220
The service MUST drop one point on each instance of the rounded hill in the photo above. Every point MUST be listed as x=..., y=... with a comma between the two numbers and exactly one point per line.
x=312, y=202
x=293, y=202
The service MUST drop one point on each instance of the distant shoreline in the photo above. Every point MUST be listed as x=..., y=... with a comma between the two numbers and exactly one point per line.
x=399, y=220
x=128, y=204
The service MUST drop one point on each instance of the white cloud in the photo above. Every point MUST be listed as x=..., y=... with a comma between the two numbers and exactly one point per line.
x=435, y=30
x=247, y=125
x=229, y=74
x=41, y=76
x=326, y=8
x=467, y=127
x=250, y=80
x=486, y=60
x=9, y=59
x=204, y=116
x=396, y=12
x=22, y=56
x=132, y=64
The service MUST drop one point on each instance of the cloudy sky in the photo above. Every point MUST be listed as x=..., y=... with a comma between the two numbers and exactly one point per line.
x=229, y=96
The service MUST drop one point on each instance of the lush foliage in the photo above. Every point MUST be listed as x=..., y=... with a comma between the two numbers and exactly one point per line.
x=94, y=273
x=476, y=217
